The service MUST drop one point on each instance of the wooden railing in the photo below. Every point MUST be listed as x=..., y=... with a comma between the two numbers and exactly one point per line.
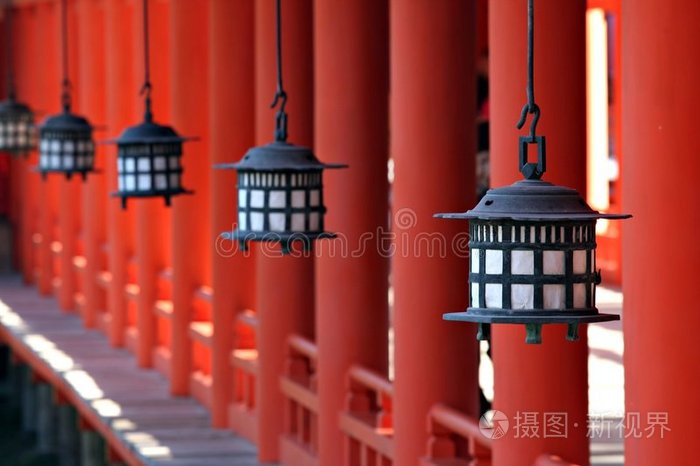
x=367, y=421
x=299, y=446
x=244, y=364
x=455, y=440
x=551, y=460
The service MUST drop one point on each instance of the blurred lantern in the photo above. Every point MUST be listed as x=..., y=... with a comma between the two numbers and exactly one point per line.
x=148, y=154
x=65, y=139
x=532, y=246
x=17, y=130
x=280, y=185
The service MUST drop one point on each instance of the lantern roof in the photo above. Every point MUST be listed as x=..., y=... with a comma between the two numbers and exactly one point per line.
x=66, y=121
x=11, y=106
x=533, y=200
x=279, y=155
x=149, y=132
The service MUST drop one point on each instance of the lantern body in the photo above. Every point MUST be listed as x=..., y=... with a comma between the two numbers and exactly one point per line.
x=17, y=129
x=532, y=259
x=532, y=268
x=66, y=146
x=149, y=163
x=280, y=196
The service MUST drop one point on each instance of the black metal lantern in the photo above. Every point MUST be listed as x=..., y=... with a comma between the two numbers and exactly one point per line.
x=280, y=185
x=149, y=154
x=65, y=140
x=532, y=248
x=17, y=129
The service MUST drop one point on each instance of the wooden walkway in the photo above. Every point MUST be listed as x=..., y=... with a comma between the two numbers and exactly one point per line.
x=130, y=407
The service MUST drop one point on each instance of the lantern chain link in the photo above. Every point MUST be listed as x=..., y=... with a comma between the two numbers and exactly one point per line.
x=147, y=87
x=280, y=94
x=8, y=51
x=530, y=107
x=65, y=84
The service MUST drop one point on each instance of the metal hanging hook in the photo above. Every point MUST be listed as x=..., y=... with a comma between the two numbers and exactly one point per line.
x=280, y=94
x=146, y=88
x=531, y=171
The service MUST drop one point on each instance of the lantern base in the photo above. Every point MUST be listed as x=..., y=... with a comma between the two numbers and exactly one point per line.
x=67, y=173
x=533, y=321
x=285, y=239
x=166, y=195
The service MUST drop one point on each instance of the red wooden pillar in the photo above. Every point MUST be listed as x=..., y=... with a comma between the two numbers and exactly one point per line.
x=285, y=284
x=551, y=377
x=48, y=100
x=232, y=86
x=152, y=223
x=24, y=46
x=69, y=213
x=122, y=96
x=192, y=245
x=661, y=252
x=352, y=84
x=91, y=48
x=433, y=130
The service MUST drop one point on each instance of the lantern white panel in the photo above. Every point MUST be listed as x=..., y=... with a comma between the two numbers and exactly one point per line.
x=278, y=199
x=475, y=260
x=580, y=261
x=543, y=234
x=22, y=127
x=174, y=162
x=144, y=182
x=314, y=221
x=242, y=221
x=161, y=181
x=475, y=295
x=257, y=198
x=277, y=222
x=314, y=198
x=522, y=262
x=55, y=146
x=579, y=295
x=120, y=164
x=144, y=164
x=43, y=161
x=68, y=161
x=554, y=296
x=55, y=161
x=130, y=164
x=493, y=295
x=553, y=262
x=22, y=139
x=298, y=198
x=242, y=198
x=159, y=164
x=11, y=127
x=522, y=297
x=82, y=146
x=44, y=145
x=68, y=146
x=256, y=221
x=494, y=261
x=130, y=182
x=298, y=222
x=120, y=184
x=174, y=180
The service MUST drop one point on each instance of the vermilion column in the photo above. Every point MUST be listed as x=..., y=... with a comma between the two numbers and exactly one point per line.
x=47, y=19
x=122, y=96
x=91, y=47
x=551, y=377
x=661, y=251
x=69, y=210
x=192, y=245
x=352, y=79
x=433, y=120
x=152, y=221
x=285, y=285
x=232, y=86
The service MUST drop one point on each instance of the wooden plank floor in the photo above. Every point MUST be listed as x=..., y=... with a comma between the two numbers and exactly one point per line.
x=132, y=403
